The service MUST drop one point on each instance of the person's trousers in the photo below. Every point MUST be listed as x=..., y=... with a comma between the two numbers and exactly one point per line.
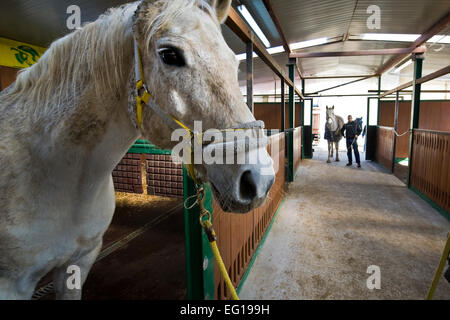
x=352, y=142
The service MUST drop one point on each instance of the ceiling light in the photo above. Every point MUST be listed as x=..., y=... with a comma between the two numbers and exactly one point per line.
x=390, y=37
x=243, y=56
x=248, y=17
x=402, y=66
x=402, y=37
x=275, y=50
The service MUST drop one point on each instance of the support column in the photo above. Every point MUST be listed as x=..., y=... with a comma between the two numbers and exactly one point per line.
x=290, y=136
x=249, y=60
x=415, y=107
x=395, y=129
x=283, y=106
x=379, y=92
x=302, y=115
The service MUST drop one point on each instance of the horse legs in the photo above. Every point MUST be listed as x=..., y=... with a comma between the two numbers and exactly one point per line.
x=63, y=276
x=337, y=150
x=330, y=150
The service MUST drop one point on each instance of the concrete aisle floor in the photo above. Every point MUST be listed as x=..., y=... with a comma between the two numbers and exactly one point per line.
x=334, y=223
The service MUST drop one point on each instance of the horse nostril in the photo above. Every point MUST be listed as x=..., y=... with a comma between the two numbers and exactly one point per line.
x=247, y=187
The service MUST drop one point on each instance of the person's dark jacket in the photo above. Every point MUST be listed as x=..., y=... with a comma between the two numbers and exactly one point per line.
x=351, y=129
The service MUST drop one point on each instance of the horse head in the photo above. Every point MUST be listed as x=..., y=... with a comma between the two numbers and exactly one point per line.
x=192, y=75
x=331, y=119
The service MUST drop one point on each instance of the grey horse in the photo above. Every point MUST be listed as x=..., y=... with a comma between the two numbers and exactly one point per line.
x=333, y=132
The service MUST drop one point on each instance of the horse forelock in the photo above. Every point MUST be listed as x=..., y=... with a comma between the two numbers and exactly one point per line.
x=159, y=16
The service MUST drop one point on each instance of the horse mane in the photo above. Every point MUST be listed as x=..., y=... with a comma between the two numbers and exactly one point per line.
x=92, y=56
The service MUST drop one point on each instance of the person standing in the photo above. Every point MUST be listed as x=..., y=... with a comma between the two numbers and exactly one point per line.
x=352, y=130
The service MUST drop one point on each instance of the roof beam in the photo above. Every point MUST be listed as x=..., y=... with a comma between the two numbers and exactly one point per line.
x=276, y=22
x=244, y=32
x=375, y=52
x=399, y=88
x=431, y=76
x=438, y=26
x=434, y=75
x=339, y=85
x=341, y=77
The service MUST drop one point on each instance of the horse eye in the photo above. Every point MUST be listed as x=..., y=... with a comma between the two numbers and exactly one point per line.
x=172, y=57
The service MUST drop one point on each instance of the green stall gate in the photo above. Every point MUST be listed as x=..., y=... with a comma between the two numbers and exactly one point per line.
x=239, y=236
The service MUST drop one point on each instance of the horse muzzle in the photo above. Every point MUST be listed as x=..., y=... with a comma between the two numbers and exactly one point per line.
x=240, y=188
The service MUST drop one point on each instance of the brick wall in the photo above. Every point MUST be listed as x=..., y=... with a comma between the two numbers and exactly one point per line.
x=164, y=178
x=127, y=175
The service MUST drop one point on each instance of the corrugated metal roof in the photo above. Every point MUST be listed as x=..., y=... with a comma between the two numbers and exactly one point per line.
x=311, y=19
x=305, y=19
x=262, y=17
x=41, y=22
x=412, y=16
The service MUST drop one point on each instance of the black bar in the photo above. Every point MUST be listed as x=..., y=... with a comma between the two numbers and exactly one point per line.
x=250, y=77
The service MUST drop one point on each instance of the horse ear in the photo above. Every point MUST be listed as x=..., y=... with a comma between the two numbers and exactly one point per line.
x=222, y=7
x=332, y=107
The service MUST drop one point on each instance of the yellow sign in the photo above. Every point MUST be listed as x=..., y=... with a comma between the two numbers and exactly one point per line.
x=18, y=54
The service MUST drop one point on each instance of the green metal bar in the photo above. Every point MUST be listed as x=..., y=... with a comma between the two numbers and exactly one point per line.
x=199, y=258
x=379, y=90
x=302, y=115
x=394, y=146
x=415, y=108
x=208, y=257
x=283, y=105
x=290, y=133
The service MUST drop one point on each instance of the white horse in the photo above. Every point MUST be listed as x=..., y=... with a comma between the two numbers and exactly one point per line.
x=68, y=120
x=333, y=133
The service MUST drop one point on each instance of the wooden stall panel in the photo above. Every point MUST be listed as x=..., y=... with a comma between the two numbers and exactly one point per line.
x=127, y=174
x=238, y=235
x=430, y=165
x=385, y=145
x=270, y=113
x=387, y=109
x=435, y=115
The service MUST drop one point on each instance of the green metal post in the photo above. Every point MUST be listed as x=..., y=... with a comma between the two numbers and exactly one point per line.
x=311, y=119
x=368, y=111
x=290, y=133
x=302, y=115
x=415, y=108
x=379, y=92
x=199, y=257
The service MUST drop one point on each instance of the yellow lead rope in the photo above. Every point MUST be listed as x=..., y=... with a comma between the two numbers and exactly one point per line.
x=211, y=234
x=437, y=274
x=144, y=98
x=222, y=269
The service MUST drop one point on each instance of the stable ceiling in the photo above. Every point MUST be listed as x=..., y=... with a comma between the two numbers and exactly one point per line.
x=40, y=22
